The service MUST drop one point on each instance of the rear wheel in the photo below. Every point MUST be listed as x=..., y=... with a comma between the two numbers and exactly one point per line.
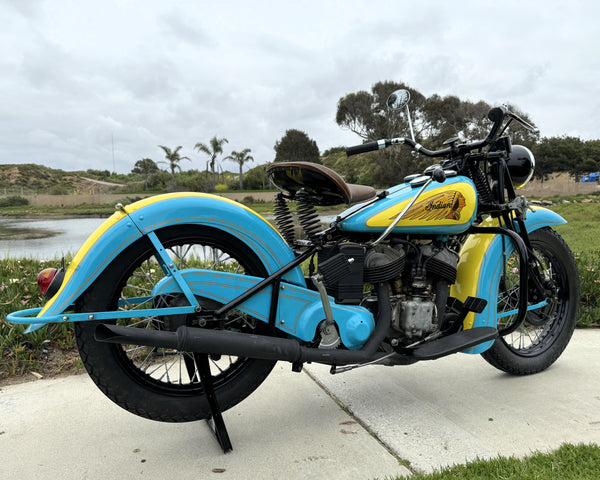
x=159, y=383
x=546, y=331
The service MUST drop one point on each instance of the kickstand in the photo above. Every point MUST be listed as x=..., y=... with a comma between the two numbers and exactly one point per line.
x=215, y=422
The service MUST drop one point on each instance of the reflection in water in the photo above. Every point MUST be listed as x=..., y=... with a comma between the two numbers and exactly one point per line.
x=62, y=237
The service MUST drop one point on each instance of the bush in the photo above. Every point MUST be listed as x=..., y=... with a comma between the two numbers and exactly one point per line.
x=588, y=265
x=14, y=201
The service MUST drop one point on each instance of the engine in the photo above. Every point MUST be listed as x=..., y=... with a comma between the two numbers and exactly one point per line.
x=420, y=275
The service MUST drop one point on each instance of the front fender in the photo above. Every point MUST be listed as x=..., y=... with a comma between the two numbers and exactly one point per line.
x=481, y=265
x=126, y=226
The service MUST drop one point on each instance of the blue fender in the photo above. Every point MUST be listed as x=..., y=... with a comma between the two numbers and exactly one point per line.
x=126, y=226
x=299, y=310
x=481, y=265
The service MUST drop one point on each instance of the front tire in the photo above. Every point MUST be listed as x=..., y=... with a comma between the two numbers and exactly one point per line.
x=158, y=383
x=546, y=331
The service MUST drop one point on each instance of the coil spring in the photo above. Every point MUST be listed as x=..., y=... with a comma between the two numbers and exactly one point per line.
x=284, y=219
x=307, y=215
x=481, y=183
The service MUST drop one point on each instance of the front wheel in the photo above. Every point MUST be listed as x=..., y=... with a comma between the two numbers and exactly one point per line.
x=160, y=383
x=546, y=331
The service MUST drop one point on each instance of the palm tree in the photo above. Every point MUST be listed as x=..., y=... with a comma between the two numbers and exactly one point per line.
x=173, y=159
x=241, y=158
x=215, y=148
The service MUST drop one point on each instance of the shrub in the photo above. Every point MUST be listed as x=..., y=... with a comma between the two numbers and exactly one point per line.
x=588, y=265
x=14, y=201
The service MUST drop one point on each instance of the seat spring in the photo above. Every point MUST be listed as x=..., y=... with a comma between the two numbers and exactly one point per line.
x=307, y=215
x=284, y=219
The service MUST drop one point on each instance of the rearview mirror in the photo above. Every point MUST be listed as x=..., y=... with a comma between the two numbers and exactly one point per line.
x=398, y=99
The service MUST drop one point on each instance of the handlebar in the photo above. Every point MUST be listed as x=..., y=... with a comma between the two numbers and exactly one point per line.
x=366, y=147
x=384, y=143
x=496, y=115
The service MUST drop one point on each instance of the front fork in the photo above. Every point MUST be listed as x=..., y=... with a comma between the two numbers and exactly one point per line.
x=541, y=287
x=532, y=283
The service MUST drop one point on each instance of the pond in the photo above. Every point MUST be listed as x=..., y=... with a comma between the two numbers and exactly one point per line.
x=49, y=239
x=44, y=239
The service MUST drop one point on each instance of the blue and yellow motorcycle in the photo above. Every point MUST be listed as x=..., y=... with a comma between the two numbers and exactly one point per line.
x=187, y=300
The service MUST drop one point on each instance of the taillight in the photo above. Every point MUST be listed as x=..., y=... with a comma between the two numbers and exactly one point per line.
x=49, y=281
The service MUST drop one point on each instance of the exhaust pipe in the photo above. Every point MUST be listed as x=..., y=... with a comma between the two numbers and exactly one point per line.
x=225, y=342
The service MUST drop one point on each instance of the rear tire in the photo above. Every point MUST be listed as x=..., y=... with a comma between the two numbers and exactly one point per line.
x=157, y=383
x=546, y=331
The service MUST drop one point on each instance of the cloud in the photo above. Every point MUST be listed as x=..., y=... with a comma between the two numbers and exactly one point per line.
x=184, y=29
x=76, y=76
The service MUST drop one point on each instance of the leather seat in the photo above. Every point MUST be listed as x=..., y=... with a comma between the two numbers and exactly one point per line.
x=325, y=186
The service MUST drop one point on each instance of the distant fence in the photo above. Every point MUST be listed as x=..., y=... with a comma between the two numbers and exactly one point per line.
x=558, y=187
x=109, y=198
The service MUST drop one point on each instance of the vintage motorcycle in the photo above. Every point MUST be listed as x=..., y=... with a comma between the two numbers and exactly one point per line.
x=184, y=299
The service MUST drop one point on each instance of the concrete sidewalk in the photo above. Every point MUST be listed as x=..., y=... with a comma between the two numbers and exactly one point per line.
x=431, y=414
x=458, y=408
x=288, y=429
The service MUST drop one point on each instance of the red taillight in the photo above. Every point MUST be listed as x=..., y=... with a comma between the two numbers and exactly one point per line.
x=49, y=281
x=45, y=278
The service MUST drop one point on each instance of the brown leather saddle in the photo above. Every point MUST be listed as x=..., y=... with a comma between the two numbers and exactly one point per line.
x=322, y=184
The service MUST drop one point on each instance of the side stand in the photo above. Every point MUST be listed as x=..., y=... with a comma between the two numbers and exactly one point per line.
x=216, y=423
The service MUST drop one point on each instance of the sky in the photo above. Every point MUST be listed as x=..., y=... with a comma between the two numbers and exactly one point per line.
x=100, y=84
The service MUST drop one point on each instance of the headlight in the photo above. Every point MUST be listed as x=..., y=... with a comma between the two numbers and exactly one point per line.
x=521, y=165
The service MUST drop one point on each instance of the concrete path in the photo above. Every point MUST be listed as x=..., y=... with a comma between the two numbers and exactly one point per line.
x=458, y=408
x=288, y=429
x=431, y=414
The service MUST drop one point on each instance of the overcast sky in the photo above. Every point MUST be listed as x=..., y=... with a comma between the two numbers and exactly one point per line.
x=77, y=77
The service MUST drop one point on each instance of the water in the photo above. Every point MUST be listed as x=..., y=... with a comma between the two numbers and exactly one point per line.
x=54, y=238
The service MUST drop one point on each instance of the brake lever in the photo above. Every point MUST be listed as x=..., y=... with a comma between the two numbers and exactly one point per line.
x=525, y=125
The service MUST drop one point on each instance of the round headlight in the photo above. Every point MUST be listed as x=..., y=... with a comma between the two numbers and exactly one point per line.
x=521, y=165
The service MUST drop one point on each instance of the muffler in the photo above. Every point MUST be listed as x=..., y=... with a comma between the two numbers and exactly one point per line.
x=225, y=342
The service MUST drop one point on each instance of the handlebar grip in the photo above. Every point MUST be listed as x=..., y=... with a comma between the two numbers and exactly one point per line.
x=365, y=147
x=496, y=114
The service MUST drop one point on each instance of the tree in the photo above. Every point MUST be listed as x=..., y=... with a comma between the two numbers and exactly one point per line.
x=241, y=158
x=256, y=178
x=296, y=146
x=173, y=158
x=560, y=154
x=145, y=167
x=367, y=115
x=214, y=148
x=435, y=119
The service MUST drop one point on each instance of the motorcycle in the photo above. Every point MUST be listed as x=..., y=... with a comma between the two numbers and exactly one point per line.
x=185, y=301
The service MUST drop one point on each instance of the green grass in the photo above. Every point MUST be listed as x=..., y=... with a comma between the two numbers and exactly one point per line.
x=572, y=462
x=21, y=353
x=86, y=210
x=582, y=234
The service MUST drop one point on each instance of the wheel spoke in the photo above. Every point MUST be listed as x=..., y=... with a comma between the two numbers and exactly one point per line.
x=171, y=367
x=529, y=337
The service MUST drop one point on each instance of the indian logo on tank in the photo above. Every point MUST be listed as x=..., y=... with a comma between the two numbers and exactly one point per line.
x=438, y=207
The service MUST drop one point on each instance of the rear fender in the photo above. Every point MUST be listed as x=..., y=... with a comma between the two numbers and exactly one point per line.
x=132, y=222
x=481, y=265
